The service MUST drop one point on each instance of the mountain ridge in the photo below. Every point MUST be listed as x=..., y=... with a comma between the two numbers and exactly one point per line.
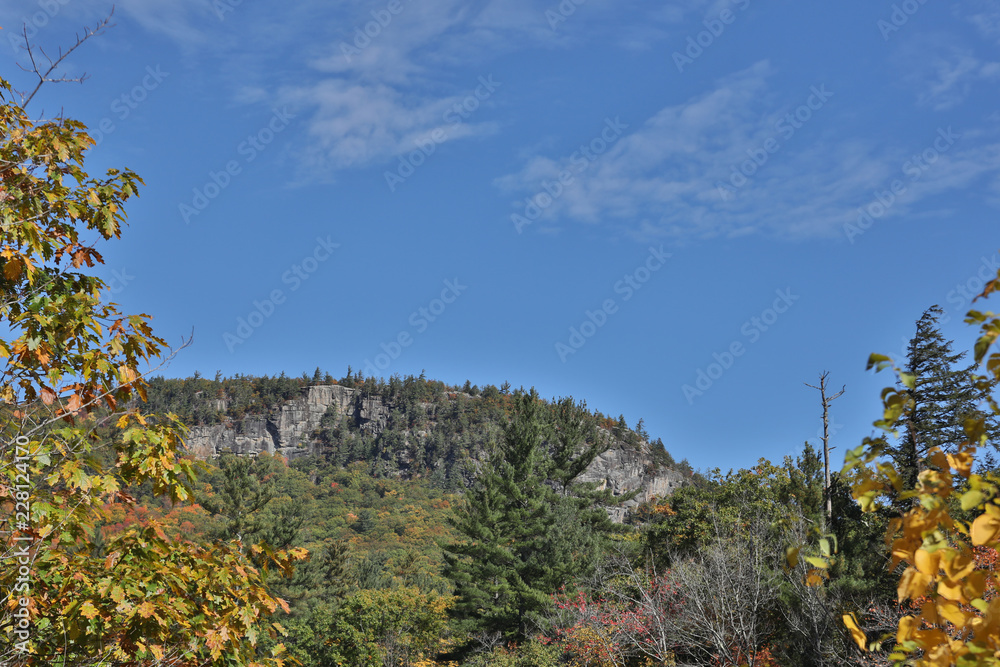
x=404, y=427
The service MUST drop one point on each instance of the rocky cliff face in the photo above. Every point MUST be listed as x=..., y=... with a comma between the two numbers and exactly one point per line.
x=246, y=436
x=624, y=470
x=289, y=430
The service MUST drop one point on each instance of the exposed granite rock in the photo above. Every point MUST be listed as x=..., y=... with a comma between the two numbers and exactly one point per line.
x=288, y=430
x=626, y=470
x=298, y=418
x=372, y=415
x=246, y=436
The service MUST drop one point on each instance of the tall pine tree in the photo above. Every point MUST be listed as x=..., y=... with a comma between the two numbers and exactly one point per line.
x=944, y=395
x=522, y=539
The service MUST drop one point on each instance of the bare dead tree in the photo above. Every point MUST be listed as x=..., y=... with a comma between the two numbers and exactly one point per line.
x=826, y=438
x=729, y=590
x=43, y=72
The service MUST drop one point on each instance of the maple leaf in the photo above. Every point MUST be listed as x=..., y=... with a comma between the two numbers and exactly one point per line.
x=88, y=610
x=12, y=270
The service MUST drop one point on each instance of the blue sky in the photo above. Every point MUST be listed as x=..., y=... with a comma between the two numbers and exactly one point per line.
x=599, y=199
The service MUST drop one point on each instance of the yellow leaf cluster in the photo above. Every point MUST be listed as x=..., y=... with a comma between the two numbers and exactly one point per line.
x=70, y=359
x=958, y=622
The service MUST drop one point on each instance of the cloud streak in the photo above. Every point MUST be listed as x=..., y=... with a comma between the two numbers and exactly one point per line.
x=357, y=125
x=663, y=180
x=942, y=73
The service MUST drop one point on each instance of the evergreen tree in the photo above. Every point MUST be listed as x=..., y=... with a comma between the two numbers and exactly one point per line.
x=522, y=539
x=572, y=426
x=239, y=498
x=943, y=394
x=574, y=443
x=803, y=487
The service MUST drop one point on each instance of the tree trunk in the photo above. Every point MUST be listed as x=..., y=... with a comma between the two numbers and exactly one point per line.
x=826, y=440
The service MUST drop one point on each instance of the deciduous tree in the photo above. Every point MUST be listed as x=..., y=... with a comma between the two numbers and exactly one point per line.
x=955, y=618
x=71, y=358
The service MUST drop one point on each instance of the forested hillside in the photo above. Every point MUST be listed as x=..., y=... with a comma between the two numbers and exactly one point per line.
x=148, y=521
x=451, y=526
x=401, y=427
x=485, y=549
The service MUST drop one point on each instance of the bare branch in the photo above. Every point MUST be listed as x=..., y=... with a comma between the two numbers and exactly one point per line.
x=46, y=76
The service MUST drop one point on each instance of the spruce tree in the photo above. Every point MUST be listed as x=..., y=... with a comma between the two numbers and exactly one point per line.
x=239, y=498
x=522, y=540
x=944, y=395
x=573, y=443
x=572, y=425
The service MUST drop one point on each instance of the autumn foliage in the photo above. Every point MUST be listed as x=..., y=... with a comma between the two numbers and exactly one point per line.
x=946, y=541
x=74, y=442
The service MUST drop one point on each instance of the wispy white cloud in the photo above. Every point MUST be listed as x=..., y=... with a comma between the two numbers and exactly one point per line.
x=984, y=15
x=358, y=124
x=386, y=83
x=191, y=24
x=663, y=179
x=370, y=82
x=188, y=22
x=378, y=45
x=942, y=73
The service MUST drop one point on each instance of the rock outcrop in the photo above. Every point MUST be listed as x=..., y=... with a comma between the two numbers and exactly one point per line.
x=246, y=436
x=624, y=470
x=290, y=431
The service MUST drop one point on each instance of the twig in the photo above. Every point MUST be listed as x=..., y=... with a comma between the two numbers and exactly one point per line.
x=44, y=77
